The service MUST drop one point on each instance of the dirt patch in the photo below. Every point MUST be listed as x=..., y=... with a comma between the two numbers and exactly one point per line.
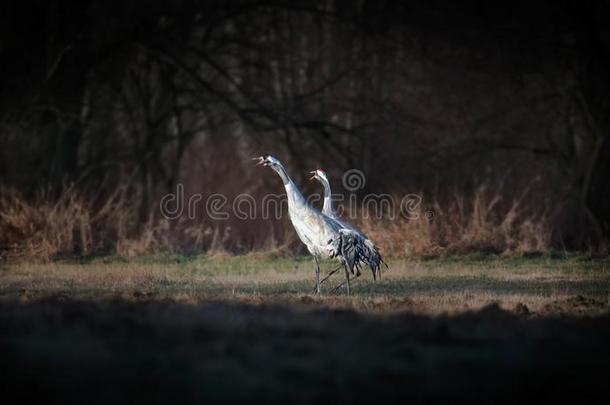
x=142, y=295
x=577, y=305
x=224, y=351
x=521, y=309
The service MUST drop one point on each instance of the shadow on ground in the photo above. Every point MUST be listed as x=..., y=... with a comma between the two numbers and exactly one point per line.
x=166, y=352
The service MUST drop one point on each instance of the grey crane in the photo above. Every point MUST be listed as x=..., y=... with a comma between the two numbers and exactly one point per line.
x=369, y=252
x=323, y=236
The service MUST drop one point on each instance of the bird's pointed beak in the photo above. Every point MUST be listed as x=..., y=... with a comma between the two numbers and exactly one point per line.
x=314, y=174
x=260, y=161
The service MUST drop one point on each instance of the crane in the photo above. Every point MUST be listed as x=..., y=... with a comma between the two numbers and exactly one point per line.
x=323, y=236
x=370, y=253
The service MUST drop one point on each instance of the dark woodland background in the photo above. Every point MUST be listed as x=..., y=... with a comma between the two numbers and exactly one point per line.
x=498, y=113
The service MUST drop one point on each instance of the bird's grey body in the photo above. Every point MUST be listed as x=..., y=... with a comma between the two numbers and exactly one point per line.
x=369, y=254
x=322, y=235
x=312, y=227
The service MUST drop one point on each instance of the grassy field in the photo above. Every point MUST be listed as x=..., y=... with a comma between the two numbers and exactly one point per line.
x=428, y=287
x=231, y=328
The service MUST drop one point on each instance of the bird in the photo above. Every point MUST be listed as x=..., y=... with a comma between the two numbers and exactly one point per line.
x=323, y=236
x=370, y=253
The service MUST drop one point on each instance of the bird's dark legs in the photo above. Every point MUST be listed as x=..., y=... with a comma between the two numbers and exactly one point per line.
x=315, y=288
x=330, y=274
x=344, y=282
x=347, y=279
x=317, y=275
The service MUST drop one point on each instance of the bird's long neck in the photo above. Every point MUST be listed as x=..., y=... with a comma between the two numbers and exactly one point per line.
x=292, y=192
x=327, y=208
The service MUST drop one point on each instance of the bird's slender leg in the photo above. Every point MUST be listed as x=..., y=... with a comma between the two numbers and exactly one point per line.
x=330, y=274
x=343, y=283
x=347, y=279
x=317, y=275
x=327, y=277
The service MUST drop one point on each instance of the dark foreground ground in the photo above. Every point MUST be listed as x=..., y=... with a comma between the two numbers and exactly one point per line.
x=207, y=330
x=161, y=352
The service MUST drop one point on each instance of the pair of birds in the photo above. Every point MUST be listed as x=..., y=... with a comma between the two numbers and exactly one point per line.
x=325, y=235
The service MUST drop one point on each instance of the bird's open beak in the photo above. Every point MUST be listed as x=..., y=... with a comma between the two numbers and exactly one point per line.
x=260, y=161
x=314, y=175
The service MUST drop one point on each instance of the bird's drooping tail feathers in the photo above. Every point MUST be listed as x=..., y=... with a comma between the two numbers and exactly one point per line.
x=372, y=257
x=356, y=251
x=347, y=247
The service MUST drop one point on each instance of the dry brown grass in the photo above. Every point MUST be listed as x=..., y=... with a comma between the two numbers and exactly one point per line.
x=72, y=224
x=45, y=226
x=483, y=222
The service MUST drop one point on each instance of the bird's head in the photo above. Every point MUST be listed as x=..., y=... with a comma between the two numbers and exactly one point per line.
x=267, y=161
x=319, y=175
